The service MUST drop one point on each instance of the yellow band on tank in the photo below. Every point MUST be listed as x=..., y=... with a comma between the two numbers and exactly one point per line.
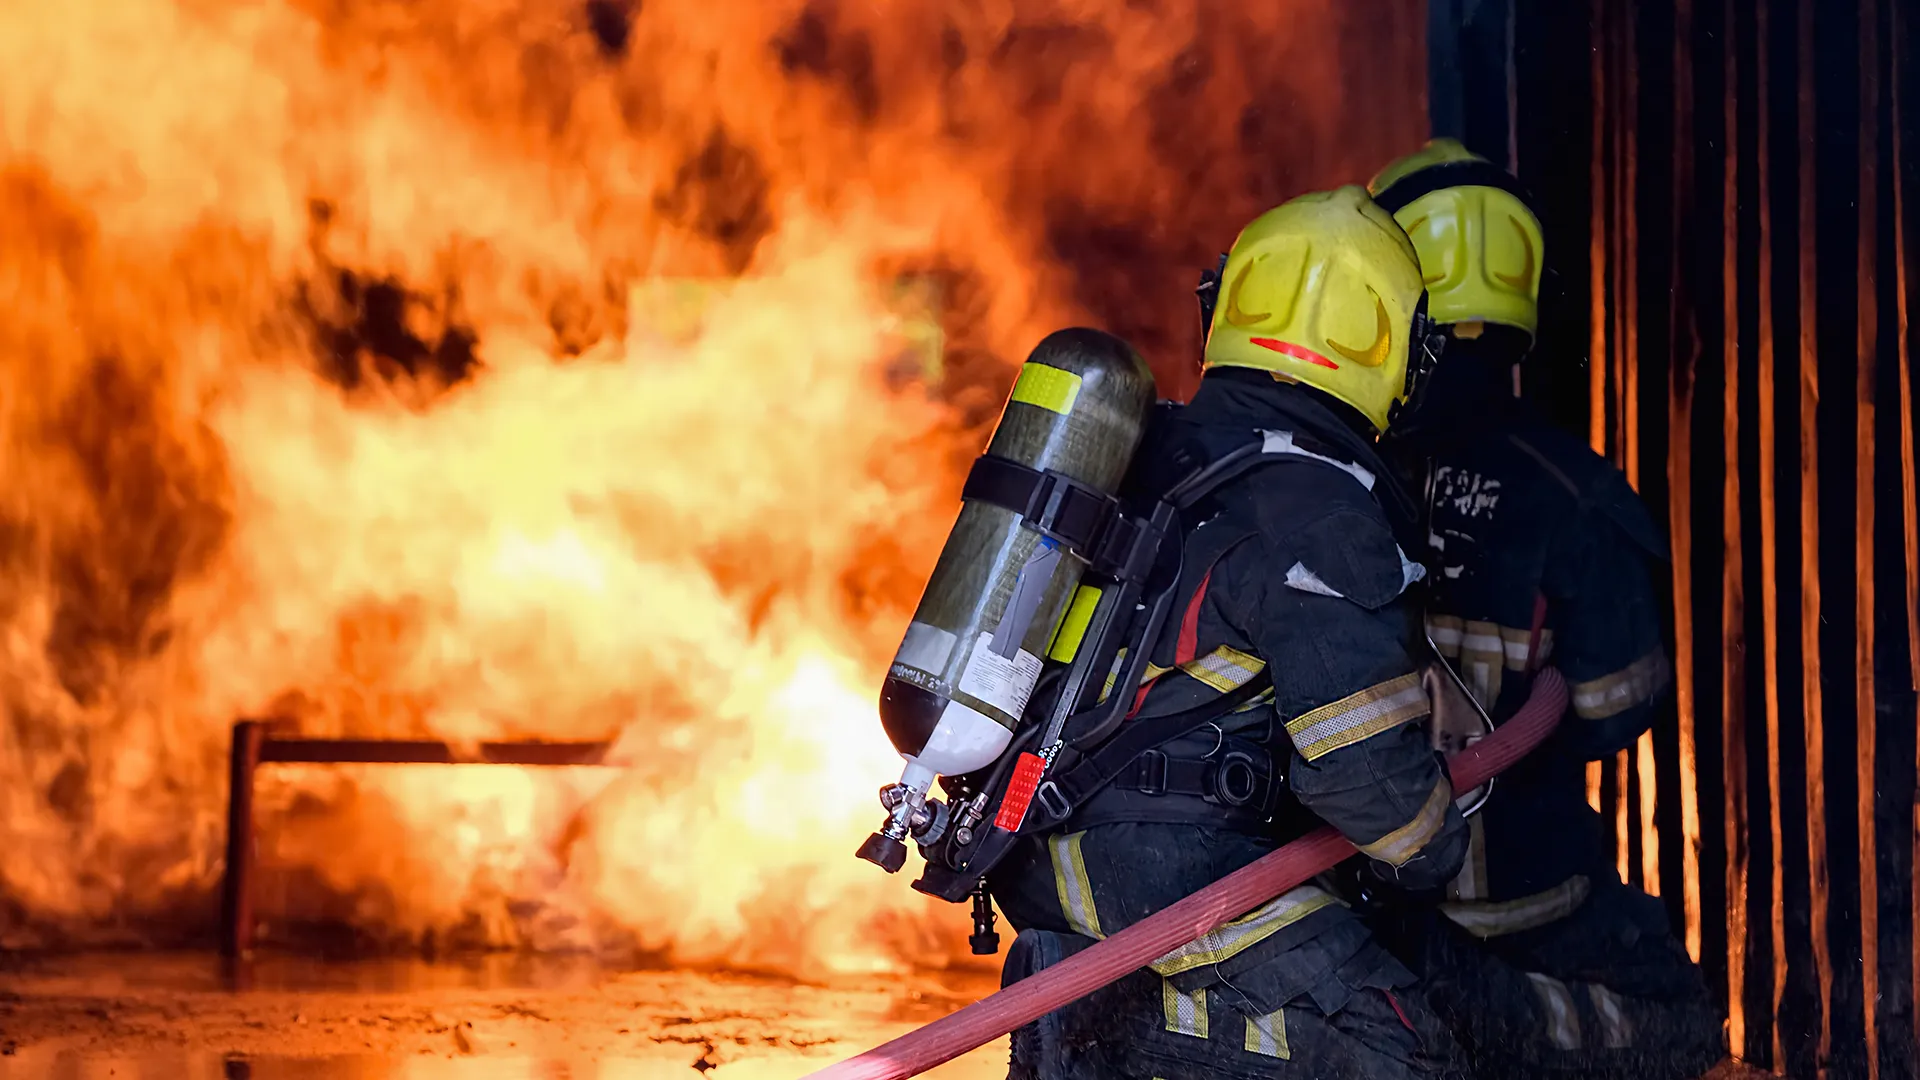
x=1066, y=640
x=1050, y=388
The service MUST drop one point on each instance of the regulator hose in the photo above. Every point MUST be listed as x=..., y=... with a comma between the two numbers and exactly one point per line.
x=1160, y=933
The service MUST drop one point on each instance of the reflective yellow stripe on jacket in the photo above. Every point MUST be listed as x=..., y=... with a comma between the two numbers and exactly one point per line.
x=1358, y=716
x=1075, y=890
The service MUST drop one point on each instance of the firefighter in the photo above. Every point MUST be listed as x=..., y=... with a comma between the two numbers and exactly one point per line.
x=1539, y=551
x=1294, y=584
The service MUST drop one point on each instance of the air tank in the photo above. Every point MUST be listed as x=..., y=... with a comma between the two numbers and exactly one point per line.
x=972, y=654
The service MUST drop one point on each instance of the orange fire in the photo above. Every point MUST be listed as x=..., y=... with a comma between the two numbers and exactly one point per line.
x=333, y=391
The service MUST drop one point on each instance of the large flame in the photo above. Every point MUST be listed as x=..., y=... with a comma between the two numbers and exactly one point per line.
x=333, y=391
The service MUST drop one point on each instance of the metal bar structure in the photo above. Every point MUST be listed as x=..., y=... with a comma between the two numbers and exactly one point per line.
x=255, y=744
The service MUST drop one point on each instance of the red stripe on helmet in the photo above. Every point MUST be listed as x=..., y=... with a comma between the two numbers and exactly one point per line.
x=1298, y=352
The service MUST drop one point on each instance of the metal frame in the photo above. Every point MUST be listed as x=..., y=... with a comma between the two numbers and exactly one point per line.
x=254, y=745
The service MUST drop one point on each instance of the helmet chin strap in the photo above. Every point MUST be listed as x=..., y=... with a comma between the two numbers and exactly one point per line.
x=1208, y=293
x=1423, y=356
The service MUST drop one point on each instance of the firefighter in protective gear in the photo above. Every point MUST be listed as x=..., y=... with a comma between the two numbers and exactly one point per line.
x=1293, y=584
x=1543, y=962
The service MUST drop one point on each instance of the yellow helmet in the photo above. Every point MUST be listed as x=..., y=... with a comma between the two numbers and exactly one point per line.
x=1322, y=290
x=1480, y=244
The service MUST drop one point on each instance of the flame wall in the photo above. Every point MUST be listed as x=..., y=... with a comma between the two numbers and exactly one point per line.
x=1734, y=266
x=327, y=392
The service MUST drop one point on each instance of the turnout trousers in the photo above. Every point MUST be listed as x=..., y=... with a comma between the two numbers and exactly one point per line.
x=1605, y=993
x=1295, y=989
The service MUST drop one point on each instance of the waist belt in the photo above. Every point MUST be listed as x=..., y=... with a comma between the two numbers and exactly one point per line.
x=1238, y=777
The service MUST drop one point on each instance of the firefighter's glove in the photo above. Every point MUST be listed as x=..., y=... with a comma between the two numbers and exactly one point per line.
x=1377, y=886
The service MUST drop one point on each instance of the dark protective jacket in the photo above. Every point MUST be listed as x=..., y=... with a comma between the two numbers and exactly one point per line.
x=1540, y=960
x=1293, y=571
x=1539, y=552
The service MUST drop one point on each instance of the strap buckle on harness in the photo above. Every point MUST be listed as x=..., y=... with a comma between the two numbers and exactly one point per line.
x=1053, y=801
x=1050, y=503
x=1153, y=772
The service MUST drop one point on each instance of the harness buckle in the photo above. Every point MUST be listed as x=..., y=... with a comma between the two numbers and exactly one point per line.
x=1153, y=772
x=1051, y=800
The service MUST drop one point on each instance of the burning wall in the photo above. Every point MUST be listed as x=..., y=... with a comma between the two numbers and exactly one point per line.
x=325, y=397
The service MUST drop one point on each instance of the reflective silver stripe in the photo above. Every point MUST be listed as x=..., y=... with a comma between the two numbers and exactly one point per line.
x=1615, y=1029
x=1563, y=1023
x=1358, y=716
x=1402, y=844
x=1635, y=684
x=1246, y=931
x=1267, y=1035
x=1519, y=646
x=1075, y=888
x=1481, y=650
x=1487, y=920
x=1281, y=442
x=1486, y=643
x=1186, y=1014
x=1225, y=669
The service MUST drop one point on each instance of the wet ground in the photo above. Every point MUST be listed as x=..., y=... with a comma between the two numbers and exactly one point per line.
x=189, y=1017
x=185, y=1017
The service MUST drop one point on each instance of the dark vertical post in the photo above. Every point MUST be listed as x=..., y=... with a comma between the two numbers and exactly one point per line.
x=1910, y=499
x=1445, y=108
x=1868, y=346
x=1733, y=617
x=1598, y=268
x=1638, y=767
x=1510, y=81
x=1683, y=351
x=1811, y=698
x=1618, y=33
x=1769, y=538
x=236, y=908
x=1469, y=73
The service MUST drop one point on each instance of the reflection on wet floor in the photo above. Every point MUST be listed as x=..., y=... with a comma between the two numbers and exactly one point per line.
x=188, y=1017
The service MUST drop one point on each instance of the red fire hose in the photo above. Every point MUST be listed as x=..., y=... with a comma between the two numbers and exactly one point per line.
x=1162, y=932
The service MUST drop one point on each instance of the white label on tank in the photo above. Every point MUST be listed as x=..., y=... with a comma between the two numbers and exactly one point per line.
x=926, y=647
x=1003, y=682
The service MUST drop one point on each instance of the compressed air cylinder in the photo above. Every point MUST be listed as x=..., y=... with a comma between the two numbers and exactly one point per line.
x=972, y=654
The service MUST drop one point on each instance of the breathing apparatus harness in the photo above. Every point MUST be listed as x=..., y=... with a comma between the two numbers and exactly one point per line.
x=1082, y=739
x=1084, y=732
